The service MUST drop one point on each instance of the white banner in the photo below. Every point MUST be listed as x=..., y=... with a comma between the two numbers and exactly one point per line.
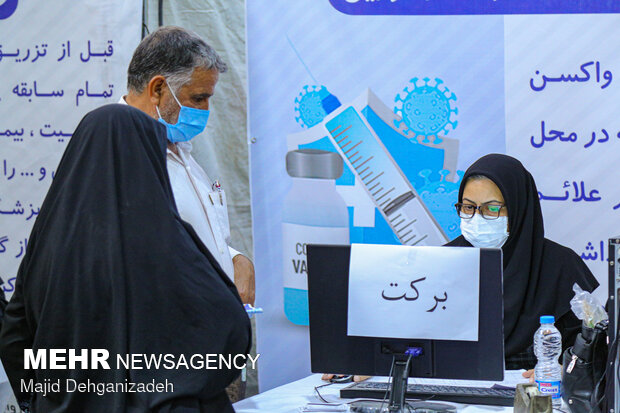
x=435, y=92
x=58, y=61
x=562, y=123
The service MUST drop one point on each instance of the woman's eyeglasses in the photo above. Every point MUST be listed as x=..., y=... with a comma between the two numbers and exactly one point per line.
x=488, y=211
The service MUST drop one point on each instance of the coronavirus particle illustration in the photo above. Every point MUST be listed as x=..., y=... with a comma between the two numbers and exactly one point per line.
x=426, y=109
x=439, y=194
x=313, y=104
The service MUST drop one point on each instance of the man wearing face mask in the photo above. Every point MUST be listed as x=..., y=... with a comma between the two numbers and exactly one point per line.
x=499, y=208
x=171, y=77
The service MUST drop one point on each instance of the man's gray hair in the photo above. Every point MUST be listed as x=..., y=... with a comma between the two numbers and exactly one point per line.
x=173, y=53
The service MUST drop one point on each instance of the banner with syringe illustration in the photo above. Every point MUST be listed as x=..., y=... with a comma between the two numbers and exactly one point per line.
x=312, y=63
x=398, y=182
x=417, y=100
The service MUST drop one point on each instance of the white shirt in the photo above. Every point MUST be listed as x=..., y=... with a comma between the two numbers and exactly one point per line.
x=200, y=203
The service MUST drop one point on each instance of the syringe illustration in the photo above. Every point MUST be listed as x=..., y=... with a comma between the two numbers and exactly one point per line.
x=382, y=179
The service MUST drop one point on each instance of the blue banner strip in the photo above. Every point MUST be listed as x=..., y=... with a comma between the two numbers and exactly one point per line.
x=463, y=7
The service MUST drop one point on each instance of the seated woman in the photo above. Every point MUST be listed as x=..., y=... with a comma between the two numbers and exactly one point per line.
x=499, y=208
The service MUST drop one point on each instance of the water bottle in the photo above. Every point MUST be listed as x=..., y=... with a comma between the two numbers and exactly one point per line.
x=548, y=372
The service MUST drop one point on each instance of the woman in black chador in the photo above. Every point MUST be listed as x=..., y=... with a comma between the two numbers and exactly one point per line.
x=110, y=265
x=499, y=207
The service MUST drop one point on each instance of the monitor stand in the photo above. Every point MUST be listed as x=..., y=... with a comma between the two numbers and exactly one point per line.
x=398, y=390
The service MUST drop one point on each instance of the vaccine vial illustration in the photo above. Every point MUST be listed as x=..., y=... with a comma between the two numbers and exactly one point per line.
x=313, y=213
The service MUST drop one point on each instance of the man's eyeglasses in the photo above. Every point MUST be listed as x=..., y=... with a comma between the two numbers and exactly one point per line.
x=488, y=211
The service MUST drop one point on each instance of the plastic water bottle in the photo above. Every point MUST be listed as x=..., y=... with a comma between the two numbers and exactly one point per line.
x=548, y=372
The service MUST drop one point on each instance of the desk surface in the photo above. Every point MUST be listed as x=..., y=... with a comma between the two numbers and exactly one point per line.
x=290, y=397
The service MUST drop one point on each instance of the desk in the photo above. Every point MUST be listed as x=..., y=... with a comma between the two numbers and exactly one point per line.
x=289, y=397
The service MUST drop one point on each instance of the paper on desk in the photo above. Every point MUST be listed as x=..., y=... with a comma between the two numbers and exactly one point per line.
x=511, y=379
x=324, y=407
x=414, y=292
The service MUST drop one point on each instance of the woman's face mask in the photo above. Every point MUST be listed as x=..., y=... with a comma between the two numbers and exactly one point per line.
x=485, y=233
x=190, y=123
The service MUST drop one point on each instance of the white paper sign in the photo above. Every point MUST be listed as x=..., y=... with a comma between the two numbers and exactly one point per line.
x=414, y=292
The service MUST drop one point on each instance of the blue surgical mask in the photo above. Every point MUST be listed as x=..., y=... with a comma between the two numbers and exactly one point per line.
x=190, y=123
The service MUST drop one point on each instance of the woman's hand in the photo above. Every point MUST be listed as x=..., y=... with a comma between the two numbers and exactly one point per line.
x=356, y=379
x=529, y=375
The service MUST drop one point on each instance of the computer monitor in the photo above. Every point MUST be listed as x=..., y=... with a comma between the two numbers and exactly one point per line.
x=333, y=351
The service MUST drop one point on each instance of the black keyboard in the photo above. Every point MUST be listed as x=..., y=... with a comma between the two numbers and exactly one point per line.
x=466, y=395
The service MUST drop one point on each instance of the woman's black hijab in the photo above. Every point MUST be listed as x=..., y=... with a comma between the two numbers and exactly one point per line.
x=538, y=274
x=111, y=265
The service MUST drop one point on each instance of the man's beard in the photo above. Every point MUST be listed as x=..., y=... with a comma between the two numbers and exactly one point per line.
x=170, y=111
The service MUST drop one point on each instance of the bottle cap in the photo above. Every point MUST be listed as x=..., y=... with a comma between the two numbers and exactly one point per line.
x=314, y=163
x=547, y=319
